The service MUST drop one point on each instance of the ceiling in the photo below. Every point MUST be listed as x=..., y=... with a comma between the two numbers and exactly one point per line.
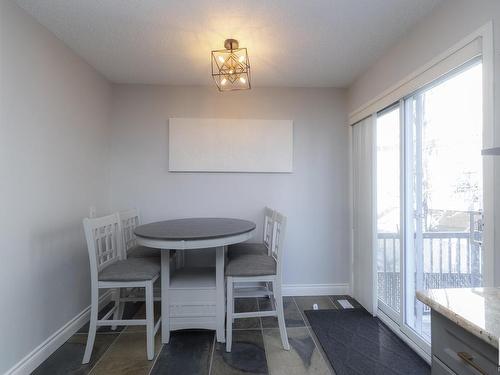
x=305, y=43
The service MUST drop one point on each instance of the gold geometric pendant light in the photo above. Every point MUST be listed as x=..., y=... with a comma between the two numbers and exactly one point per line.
x=231, y=67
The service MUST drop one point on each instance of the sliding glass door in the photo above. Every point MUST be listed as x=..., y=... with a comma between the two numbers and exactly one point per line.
x=430, y=196
x=444, y=197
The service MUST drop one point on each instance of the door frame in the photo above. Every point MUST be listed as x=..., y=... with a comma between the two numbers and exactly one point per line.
x=406, y=204
x=490, y=139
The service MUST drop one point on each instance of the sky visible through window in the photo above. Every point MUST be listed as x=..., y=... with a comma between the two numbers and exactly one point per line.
x=452, y=178
x=452, y=142
x=388, y=181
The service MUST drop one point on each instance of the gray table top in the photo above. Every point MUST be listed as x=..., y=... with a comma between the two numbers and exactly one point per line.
x=194, y=229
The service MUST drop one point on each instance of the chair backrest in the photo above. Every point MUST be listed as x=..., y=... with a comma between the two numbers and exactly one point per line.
x=268, y=228
x=278, y=239
x=104, y=242
x=129, y=220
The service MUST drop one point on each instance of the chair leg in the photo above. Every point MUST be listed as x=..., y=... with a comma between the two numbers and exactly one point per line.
x=116, y=314
x=121, y=309
x=281, y=315
x=150, y=325
x=271, y=297
x=94, y=309
x=229, y=316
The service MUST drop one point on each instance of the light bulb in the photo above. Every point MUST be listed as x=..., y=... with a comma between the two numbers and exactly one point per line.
x=243, y=80
x=241, y=59
x=221, y=59
x=231, y=71
x=223, y=82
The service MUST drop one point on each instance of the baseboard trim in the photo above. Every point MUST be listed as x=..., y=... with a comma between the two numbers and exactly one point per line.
x=31, y=361
x=314, y=289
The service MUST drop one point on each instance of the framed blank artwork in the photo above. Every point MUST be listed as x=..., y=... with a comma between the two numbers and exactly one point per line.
x=230, y=145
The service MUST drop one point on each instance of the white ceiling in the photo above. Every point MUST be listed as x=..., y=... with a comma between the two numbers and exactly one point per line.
x=306, y=43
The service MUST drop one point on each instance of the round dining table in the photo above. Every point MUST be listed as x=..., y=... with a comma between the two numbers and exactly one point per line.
x=194, y=233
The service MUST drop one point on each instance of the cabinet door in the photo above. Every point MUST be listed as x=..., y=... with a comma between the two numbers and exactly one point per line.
x=461, y=351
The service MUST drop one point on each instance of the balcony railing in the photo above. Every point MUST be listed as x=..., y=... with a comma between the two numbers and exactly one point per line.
x=450, y=260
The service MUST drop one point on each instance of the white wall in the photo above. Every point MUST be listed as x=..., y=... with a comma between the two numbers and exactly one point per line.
x=314, y=196
x=443, y=28
x=53, y=166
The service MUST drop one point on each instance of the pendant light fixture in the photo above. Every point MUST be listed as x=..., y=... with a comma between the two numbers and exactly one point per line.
x=230, y=67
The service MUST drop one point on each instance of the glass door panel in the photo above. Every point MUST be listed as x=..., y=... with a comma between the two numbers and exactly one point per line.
x=389, y=211
x=444, y=190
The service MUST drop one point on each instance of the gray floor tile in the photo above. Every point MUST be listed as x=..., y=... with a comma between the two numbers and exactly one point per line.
x=246, y=305
x=188, y=353
x=127, y=355
x=246, y=357
x=293, y=318
x=303, y=358
x=320, y=349
x=141, y=314
x=307, y=302
x=68, y=358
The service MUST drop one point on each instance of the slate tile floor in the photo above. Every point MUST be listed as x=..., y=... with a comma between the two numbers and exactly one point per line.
x=256, y=346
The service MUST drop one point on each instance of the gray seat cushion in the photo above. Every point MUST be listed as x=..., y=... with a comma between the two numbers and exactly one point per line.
x=135, y=269
x=245, y=248
x=143, y=252
x=251, y=265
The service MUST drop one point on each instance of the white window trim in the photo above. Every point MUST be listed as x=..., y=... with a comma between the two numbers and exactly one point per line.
x=392, y=95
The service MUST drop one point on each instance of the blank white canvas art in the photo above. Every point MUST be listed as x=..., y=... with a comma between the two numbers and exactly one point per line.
x=230, y=145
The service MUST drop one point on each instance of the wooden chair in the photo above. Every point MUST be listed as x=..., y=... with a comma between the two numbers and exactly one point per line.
x=109, y=270
x=129, y=220
x=263, y=247
x=257, y=268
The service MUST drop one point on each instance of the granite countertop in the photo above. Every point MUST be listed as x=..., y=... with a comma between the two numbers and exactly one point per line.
x=477, y=310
